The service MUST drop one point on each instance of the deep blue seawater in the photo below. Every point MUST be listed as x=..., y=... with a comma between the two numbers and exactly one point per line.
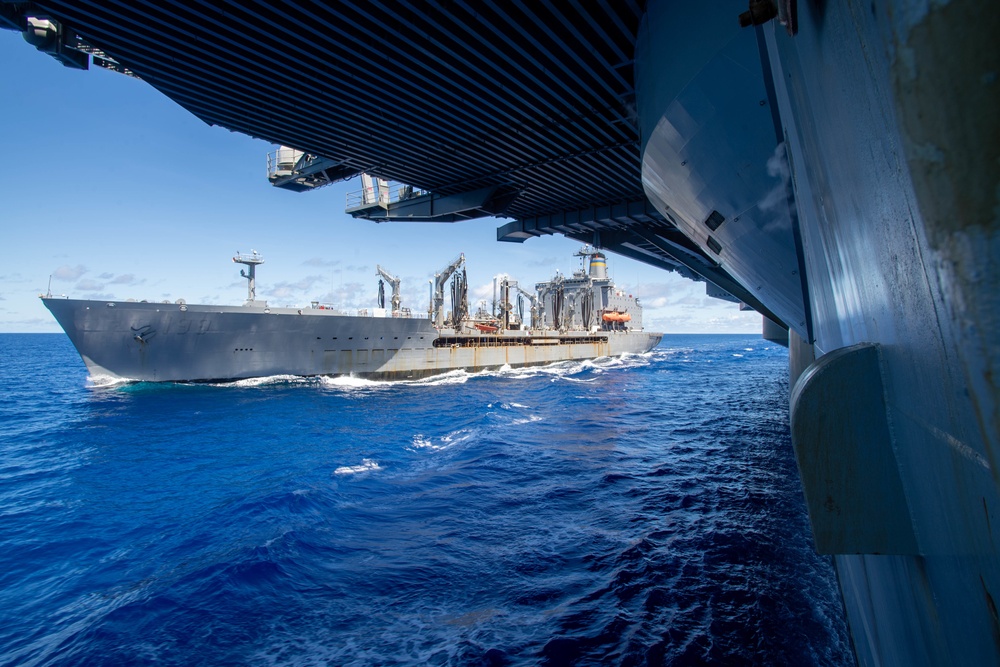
x=636, y=511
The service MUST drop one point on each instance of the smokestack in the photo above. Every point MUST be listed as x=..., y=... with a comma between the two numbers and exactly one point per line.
x=598, y=267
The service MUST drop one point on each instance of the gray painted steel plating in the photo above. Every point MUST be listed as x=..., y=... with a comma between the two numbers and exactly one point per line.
x=171, y=342
x=887, y=115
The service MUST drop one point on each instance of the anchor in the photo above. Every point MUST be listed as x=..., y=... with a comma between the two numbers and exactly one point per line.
x=143, y=333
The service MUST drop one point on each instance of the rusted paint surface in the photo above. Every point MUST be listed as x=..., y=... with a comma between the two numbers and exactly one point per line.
x=946, y=76
x=475, y=359
x=889, y=110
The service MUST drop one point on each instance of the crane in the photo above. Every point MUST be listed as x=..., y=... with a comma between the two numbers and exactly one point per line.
x=550, y=319
x=439, y=282
x=533, y=297
x=394, y=284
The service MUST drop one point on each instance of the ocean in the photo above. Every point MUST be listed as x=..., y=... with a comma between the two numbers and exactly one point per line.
x=635, y=511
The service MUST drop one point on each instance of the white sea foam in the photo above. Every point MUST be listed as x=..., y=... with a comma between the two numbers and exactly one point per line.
x=263, y=381
x=455, y=437
x=578, y=380
x=351, y=382
x=367, y=465
x=508, y=406
x=530, y=419
x=558, y=369
x=421, y=442
x=451, y=377
x=735, y=354
x=567, y=369
x=102, y=381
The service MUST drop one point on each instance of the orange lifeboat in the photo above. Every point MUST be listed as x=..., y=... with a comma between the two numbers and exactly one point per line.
x=486, y=328
x=617, y=317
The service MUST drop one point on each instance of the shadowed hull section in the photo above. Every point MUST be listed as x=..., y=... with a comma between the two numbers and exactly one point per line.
x=888, y=140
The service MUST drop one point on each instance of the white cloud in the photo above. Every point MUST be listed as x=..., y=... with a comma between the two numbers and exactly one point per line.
x=319, y=261
x=69, y=273
x=88, y=285
x=543, y=263
x=126, y=279
x=480, y=292
x=351, y=296
x=287, y=290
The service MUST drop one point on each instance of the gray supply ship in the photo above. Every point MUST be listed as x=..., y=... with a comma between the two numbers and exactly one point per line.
x=580, y=317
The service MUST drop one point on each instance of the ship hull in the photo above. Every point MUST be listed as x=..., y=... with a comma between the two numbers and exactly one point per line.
x=872, y=231
x=899, y=244
x=191, y=343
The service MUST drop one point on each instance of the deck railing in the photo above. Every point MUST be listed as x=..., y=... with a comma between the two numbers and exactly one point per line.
x=375, y=195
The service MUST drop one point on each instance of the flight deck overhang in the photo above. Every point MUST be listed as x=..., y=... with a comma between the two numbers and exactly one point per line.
x=528, y=112
x=431, y=207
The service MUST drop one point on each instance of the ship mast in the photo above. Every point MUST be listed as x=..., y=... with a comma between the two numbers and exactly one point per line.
x=251, y=261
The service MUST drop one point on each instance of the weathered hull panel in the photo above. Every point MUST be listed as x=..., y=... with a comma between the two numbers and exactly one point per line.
x=894, y=147
x=887, y=116
x=163, y=343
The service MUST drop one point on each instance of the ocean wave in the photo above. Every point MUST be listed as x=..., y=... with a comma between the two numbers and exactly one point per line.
x=106, y=381
x=450, y=377
x=530, y=419
x=446, y=441
x=367, y=465
x=507, y=406
x=351, y=382
x=453, y=377
x=264, y=381
x=514, y=518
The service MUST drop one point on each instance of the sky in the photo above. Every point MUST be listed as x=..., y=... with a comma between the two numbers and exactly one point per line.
x=113, y=191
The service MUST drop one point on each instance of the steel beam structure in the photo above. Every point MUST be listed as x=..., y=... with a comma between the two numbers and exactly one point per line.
x=533, y=101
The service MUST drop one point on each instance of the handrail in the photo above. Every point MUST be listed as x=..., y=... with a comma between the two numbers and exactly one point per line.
x=402, y=313
x=374, y=196
x=244, y=258
x=286, y=160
